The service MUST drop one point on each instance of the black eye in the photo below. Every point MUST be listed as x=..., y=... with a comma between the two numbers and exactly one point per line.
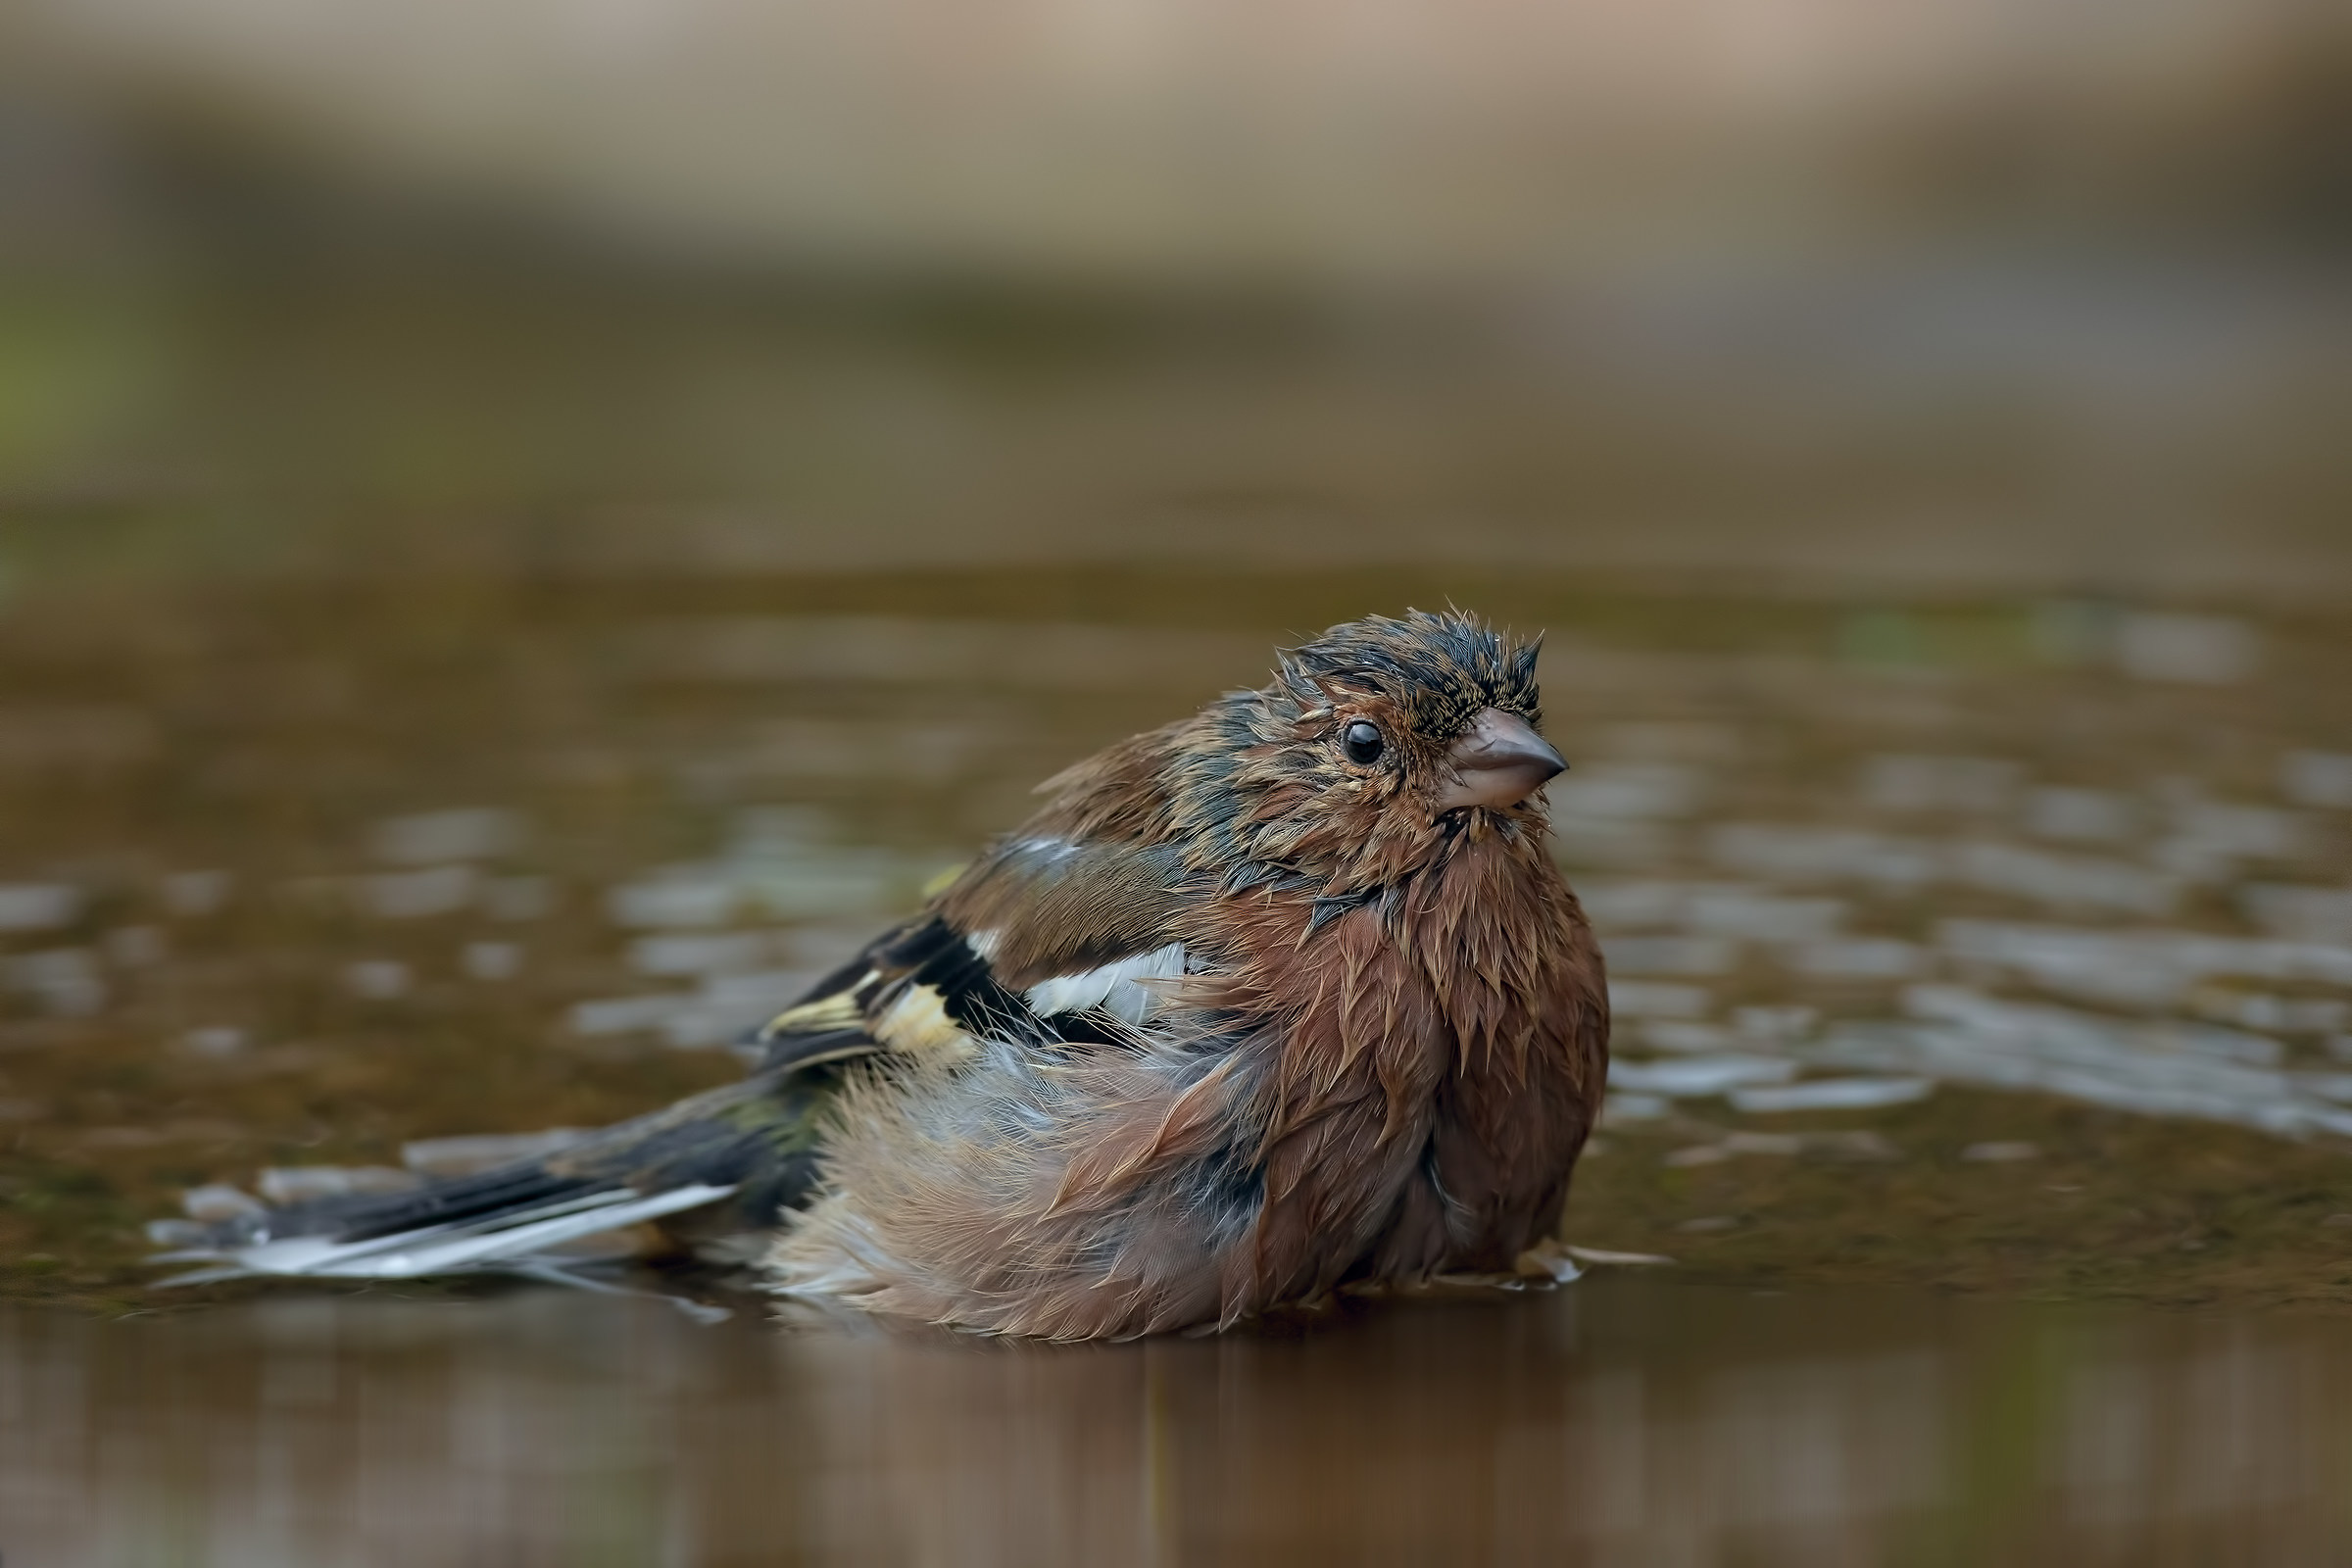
x=1361, y=742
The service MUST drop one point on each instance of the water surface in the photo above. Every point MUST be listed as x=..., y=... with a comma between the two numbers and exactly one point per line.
x=2002, y=943
x=420, y=723
x=1617, y=1421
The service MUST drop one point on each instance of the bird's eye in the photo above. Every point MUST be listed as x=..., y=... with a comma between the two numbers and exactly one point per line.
x=1361, y=742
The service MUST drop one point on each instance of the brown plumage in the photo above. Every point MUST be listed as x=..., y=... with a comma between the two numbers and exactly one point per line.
x=1379, y=1063
x=1284, y=997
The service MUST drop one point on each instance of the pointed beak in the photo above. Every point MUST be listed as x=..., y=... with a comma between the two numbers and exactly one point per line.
x=1500, y=760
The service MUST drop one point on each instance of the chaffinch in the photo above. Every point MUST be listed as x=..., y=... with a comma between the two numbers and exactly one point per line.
x=1286, y=995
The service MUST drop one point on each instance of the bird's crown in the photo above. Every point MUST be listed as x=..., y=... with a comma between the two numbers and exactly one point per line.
x=1440, y=668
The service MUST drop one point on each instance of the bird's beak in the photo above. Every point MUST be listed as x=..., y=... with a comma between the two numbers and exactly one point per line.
x=1500, y=760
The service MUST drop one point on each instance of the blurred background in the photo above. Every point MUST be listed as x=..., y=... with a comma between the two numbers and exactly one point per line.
x=529, y=527
x=1944, y=293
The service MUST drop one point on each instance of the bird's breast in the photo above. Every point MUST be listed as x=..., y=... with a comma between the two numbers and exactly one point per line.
x=1438, y=1058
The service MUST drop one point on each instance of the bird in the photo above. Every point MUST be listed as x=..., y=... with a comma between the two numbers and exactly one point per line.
x=1283, y=999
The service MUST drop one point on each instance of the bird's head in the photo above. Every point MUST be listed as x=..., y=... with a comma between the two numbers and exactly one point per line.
x=1374, y=747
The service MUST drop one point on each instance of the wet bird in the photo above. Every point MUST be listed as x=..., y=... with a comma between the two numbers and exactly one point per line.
x=1282, y=998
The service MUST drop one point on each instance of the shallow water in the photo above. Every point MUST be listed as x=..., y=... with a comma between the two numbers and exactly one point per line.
x=1982, y=924
x=442, y=853
x=1618, y=1421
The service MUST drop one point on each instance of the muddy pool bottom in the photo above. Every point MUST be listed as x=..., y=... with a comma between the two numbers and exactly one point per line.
x=1624, y=1420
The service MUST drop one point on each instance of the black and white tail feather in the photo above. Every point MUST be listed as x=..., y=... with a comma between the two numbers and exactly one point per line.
x=730, y=1160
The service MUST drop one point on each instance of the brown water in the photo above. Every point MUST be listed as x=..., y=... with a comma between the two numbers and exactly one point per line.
x=349, y=865
x=418, y=725
x=1619, y=1421
x=298, y=872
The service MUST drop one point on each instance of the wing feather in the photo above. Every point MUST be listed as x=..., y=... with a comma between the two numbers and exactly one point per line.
x=1041, y=943
x=1037, y=933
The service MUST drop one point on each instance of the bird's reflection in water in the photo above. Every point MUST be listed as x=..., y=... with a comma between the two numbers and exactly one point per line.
x=1619, y=1421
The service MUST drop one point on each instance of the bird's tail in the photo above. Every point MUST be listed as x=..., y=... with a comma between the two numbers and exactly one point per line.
x=715, y=1171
